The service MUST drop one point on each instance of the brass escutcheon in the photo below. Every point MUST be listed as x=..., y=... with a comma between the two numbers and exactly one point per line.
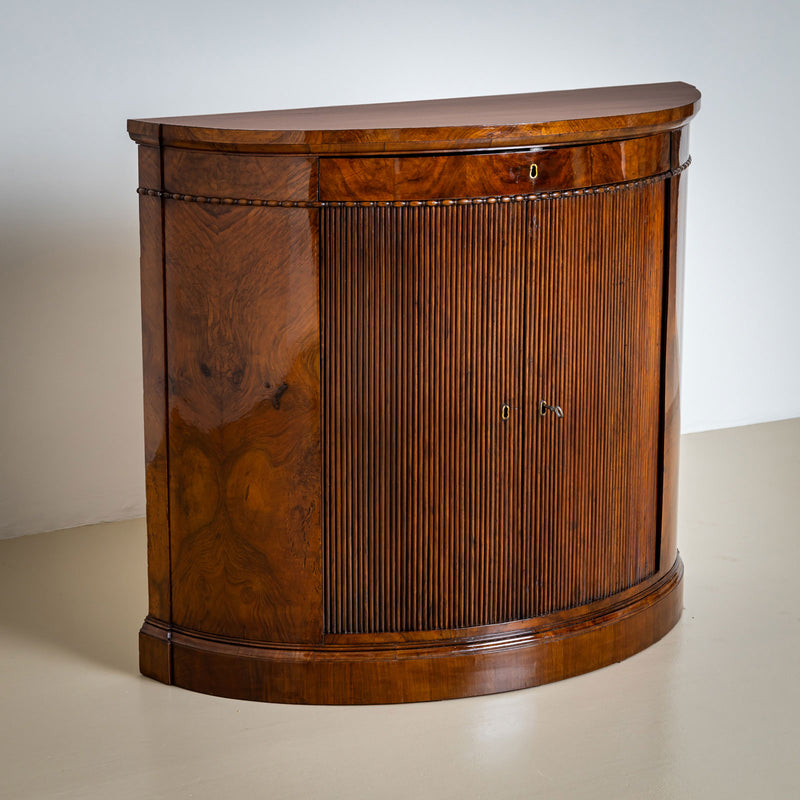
x=534, y=172
x=505, y=411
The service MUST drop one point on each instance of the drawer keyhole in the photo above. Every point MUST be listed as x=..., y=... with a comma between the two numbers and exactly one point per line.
x=505, y=411
x=534, y=173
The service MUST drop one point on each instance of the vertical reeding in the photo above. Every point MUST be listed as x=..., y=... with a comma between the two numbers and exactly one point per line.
x=366, y=387
x=525, y=457
x=428, y=425
x=468, y=446
x=402, y=272
x=503, y=509
x=560, y=532
x=493, y=387
x=374, y=413
x=456, y=327
x=349, y=359
x=551, y=266
x=341, y=515
x=435, y=512
x=529, y=456
x=355, y=402
x=535, y=307
x=431, y=617
x=380, y=411
x=395, y=279
x=327, y=385
x=508, y=508
x=585, y=382
x=377, y=410
x=609, y=254
x=484, y=419
x=632, y=388
x=542, y=548
x=566, y=366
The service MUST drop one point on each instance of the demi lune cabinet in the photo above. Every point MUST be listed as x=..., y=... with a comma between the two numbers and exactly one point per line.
x=411, y=392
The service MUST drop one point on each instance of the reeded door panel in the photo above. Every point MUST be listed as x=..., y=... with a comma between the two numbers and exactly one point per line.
x=422, y=519
x=449, y=500
x=593, y=345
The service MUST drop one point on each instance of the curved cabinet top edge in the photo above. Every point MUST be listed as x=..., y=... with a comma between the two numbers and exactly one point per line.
x=501, y=121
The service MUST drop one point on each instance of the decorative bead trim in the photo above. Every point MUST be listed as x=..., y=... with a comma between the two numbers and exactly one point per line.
x=466, y=201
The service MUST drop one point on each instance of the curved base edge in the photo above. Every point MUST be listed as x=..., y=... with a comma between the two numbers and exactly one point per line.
x=338, y=675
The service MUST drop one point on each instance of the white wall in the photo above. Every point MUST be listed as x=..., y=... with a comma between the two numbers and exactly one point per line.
x=70, y=373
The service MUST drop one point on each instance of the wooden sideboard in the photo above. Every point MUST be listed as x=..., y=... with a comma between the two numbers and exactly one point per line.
x=411, y=392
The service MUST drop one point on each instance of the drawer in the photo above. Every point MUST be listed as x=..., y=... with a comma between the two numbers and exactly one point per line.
x=493, y=174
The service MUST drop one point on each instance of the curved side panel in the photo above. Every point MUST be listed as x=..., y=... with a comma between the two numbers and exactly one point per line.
x=154, y=386
x=244, y=440
x=675, y=226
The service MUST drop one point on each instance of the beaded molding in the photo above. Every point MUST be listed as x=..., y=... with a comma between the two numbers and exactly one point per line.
x=466, y=201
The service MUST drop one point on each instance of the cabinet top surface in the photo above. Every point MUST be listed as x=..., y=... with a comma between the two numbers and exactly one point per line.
x=512, y=120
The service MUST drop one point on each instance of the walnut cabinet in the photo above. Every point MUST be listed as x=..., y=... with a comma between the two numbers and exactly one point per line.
x=411, y=392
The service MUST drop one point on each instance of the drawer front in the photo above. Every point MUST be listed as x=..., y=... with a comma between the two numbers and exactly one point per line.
x=490, y=175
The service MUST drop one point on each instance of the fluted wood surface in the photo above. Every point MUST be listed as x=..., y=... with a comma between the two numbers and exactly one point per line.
x=591, y=482
x=438, y=512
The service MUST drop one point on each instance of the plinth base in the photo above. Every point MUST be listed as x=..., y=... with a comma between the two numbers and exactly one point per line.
x=539, y=652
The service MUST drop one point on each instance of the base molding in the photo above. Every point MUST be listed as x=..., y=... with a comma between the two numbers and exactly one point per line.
x=155, y=650
x=413, y=671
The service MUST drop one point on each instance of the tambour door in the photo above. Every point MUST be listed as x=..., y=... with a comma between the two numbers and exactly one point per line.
x=423, y=325
x=593, y=346
x=449, y=500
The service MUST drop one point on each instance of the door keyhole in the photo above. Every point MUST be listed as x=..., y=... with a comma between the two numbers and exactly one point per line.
x=544, y=407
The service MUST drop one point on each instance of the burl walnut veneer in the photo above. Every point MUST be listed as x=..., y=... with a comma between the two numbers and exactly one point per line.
x=411, y=392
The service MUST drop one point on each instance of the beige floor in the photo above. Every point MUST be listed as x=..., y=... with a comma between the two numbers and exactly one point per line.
x=710, y=711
